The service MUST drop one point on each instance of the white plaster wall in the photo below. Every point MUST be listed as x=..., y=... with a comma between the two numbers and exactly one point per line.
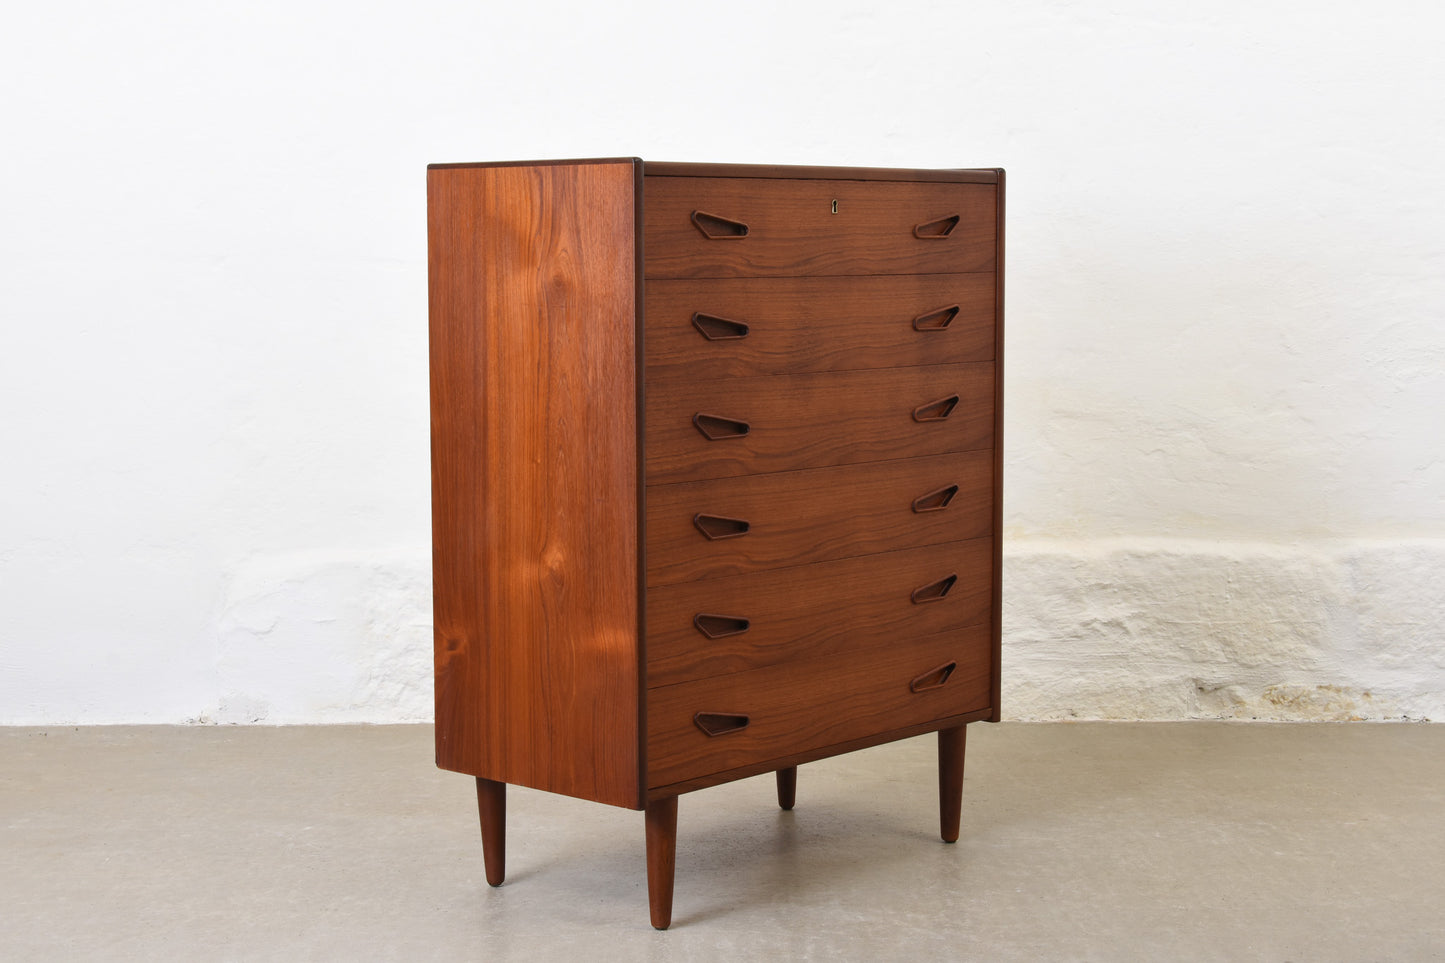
x=1226, y=368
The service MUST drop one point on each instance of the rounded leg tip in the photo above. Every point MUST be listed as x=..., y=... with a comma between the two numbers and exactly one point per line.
x=494, y=883
x=661, y=928
x=953, y=840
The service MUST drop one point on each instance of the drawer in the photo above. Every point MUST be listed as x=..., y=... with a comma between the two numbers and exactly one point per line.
x=738, y=426
x=715, y=627
x=703, y=227
x=735, y=327
x=775, y=712
x=734, y=526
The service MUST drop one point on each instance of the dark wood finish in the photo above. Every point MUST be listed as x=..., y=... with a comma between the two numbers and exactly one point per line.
x=792, y=229
x=816, y=324
x=813, y=420
x=787, y=787
x=492, y=808
x=797, y=517
x=813, y=755
x=661, y=825
x=951, y=744
x=801, y=705
x=828, y=610
x=534, y=480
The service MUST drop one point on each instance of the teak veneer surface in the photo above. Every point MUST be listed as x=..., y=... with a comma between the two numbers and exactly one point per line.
x=816, y=324
x=826, y=609
x=815, y=419
x=534, y=449
x=792, y=229
x=809, y=516
x=806, y=704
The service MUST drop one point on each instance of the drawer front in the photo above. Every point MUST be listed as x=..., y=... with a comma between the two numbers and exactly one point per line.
x=717, y=227
x=715, y=627
x=741, y=426
x=734, y=526
x=735, y=327
x=801, y=706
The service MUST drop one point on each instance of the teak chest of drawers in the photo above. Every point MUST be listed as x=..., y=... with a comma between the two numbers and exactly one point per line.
x=715, y=475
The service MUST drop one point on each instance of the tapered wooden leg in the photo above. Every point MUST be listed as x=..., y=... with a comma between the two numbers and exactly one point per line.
x=950, y=781
x=492, y=804
x=787, y=787
x=661, y=858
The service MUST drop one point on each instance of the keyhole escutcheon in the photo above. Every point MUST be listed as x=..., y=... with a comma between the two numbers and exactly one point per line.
x=835, y=205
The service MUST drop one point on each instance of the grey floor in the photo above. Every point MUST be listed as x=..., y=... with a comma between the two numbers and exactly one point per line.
x=1188, y=841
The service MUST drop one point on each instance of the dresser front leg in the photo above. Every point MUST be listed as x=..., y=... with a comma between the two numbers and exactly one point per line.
x=661, y=858
x=950, y=781
x=492, y=805
x=787, y=787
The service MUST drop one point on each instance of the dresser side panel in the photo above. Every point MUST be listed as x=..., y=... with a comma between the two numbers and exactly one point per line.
x=533, y=306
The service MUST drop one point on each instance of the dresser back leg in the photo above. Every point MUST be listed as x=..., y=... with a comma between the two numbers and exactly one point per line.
x=661, y=858
x=787, y=787
x=492, y=805
x=950, y=781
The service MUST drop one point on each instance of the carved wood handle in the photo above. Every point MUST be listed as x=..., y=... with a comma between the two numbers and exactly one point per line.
x=937, y=320
x=935, y=410
x=720, y=723
x=714, y=328
x=933, y=678
x=716, y=228
x=936, y=230
x=720, y=626
x=935, y=501
x=719, y=526
x=717, y=428
x=933, y=591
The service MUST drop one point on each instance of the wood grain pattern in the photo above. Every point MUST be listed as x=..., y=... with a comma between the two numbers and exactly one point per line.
x=534, y=476
x=492, y=810
x=815, y=420
x=806, y=704
x=809, y=516
x=816, y=324
x=694, y=783
x=792, y=229
x=660, y=822
x=824, y=610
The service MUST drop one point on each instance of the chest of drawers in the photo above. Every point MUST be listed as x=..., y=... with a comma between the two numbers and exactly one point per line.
x=716, y=475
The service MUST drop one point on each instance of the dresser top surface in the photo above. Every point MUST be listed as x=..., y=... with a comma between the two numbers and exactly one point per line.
x=988, y=175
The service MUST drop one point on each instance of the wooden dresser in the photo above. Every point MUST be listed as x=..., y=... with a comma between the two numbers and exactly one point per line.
x=716, y=475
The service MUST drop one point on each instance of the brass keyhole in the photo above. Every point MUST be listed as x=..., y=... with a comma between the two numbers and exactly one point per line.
x=835, y=206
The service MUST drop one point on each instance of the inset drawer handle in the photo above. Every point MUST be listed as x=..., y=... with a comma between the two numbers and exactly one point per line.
x=717, y=526
x=933, y=230
x=933, y=591
x=935, y=501
x=720, y=723
x=717, y=428
x=936, y=320
x=720, y=626
x=716, y=228
x=933, y=678
x=935, y=410
x=719, y=329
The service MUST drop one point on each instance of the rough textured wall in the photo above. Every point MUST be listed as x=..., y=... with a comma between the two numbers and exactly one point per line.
x=1226, y=367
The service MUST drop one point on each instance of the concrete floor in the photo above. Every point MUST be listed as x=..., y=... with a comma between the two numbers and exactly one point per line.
x=1186, y=841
